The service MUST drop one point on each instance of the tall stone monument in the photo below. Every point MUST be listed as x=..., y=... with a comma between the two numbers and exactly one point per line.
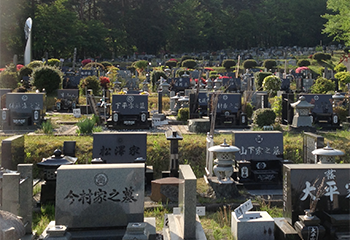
x=28, y=35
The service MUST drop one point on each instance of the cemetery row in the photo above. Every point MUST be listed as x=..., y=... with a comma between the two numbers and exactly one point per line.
x=106, y=199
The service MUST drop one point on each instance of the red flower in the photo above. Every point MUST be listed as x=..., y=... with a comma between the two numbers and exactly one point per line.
x=85, y=61
x=104, y=82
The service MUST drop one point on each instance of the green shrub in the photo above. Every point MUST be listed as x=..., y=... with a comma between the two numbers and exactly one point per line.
x=189, y=63
x=340, y=68
x=90, y=82
x=24, y=72
x=322, y=86
x=272, y=84
x=86, y=126
x=259, y=78
x=184, y=58
x=183, y=114
x=303, y=63
x=106, y=64
x=250, y=63
x=264, y=117
x=342, y=112
x=277, y=106
x=269, y=64
x=213, y=74
x=155, y=76
x=228, y=63
x=171, y=64
x=47, y=127
x=93, y=65
x=8, y=78
x=140, y=65
x=320, y=56
x=35, y=64
x=53, y=62
x=249, y=109
x=347, y=49
x=48, y=78
x=343, y=77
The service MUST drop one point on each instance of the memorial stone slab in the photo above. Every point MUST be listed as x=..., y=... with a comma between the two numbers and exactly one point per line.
x=179, y=84
x=302, y=181
x=232, y=83
x=322, y=102
x=71, y=82
x=228, y=102
x=258, y=145
x=87, y=73
x=71, y=94
x=12, y=152
x=119, y=147
x=311, y=142
x=25, y=102
x=3, y=91
x=99, y=195
x=129, y=104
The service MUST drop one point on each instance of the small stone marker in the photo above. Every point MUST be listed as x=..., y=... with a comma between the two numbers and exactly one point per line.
x=243, y=209
x=77, y=112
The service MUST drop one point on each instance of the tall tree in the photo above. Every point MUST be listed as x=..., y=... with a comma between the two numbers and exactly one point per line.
x=338, y=24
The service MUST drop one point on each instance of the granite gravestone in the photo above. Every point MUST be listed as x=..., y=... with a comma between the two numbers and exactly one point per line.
x=285, y=86
x=71, y=82
x=12, y=152
x=302, y=181
x=232, y=84
x=260, y=156
x=87, y=73
x=129, y=104
x=101, y=195
x=228, y=103
x=3, y=92
x=179, y=84
x=71, y=94
x=119, y=147
x=311, y=142
x=202, y=105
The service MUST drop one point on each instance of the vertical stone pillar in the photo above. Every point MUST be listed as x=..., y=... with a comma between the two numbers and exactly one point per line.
x=10, y=192
x=26, y=195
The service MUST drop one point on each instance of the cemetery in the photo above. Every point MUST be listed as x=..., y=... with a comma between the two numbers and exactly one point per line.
x=156, y=151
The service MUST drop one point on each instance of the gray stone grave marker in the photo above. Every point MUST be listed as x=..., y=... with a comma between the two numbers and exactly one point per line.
x=99, y=195
x=12, y=152
x=311, y=142
x=119, y=147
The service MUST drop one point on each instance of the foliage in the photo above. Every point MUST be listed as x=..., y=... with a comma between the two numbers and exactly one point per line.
x=342, y=113
x=320, y=56
x=250, y=63
x=228, y=63
x=340, y=68
x=47, y=127
x=303, y=63
x=249, y=109
x=35, y=64
x=106, y=64
x=140, y=65
x=277, y=106
x=337, y=23
x=24, y=72
x=183, y=114
x=272, y=84
x=171, y=63
x=343, y=77
x=269, y=64
x=181, y=71
x=259, y=78
x=90, y=82
x=264, y=117
x=189, y=63
x=213, y=74
x=53, y=62
x=48, y=78
x=322, y=85
x=155, y=76
x=42, y=218
x=184, y=58
x=86, y=126
x=94, y=65
x=8, y=78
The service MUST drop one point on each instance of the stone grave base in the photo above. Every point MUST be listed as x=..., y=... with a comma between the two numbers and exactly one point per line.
x=165, y=189
x=262, y=227
x=285, y=231
x=174, y=228
x=228, y=190
x=199, y=125
x=93, y=234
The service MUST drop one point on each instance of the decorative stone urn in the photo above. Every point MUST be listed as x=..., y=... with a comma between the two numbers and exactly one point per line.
x=327, y=154
x=223, y=168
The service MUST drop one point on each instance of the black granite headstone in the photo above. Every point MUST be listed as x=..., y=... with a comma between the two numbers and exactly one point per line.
x=302, y=181
x=86, y=73
x=3, y=91
x=285, y=86
x=130, y=104
x=25, y=102
x=322, y=102
x=287, y=109
x=119, y=147
x=230, y=102
x=71, y=82
x=71, y=94
x=179, y=84
x=232, y=84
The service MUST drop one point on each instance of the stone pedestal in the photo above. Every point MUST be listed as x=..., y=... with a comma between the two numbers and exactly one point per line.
x=200, y=125
x=259, y=228
x=309, y=228
x=165, y=189
x=228, y=190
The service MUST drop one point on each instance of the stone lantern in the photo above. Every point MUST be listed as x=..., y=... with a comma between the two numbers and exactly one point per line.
x=174, y=137
x=301, y=117
x=337, y=99
x=223, y=168
x=183, y=101
x=185, y=75
x=209, y=84
x=50, y=165
x=176, y=103
x=327, y=154
x=164, y=86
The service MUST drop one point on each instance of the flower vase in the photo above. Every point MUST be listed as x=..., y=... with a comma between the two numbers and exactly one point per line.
x=308, y=214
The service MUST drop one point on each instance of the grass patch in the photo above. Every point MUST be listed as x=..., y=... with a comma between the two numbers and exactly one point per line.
x=43, y=218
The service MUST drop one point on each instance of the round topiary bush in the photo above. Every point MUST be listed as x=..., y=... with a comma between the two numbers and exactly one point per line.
x=24, y=72
x=272, y=84
x=48, y=78
x=35, y=64
x=8, y=79
x=228, y=63
x=250, y=63
x=171, y=64
x=90, y=82
x=53, y=62
x=303, y=63
x=155, y=76
x=340, y=68
x=189, y=63
x=269, y=64
x=106, y=64
x=322, y=86
x=320, y=56
x=213, y=74
x=259, y=78
x=264, y=117
x=183, y=114
x=343, y=77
